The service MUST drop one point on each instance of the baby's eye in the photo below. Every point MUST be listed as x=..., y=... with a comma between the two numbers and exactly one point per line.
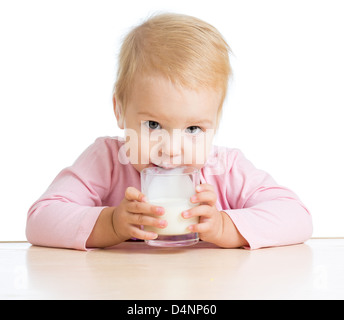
x=153, y=125
x=193, y=130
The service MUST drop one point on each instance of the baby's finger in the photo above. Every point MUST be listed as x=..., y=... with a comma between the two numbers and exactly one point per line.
x=137, y=233
x=199, y=228
x=144, y=220
x=132, y=194
x=144, y=207
x=199, y=211
x=204, y=187
x=205, y=197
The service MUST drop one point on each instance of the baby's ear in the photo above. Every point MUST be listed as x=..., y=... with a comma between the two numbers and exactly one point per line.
x=117, y=107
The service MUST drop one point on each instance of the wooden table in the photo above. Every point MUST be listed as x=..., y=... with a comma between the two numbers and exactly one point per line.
x=314, y=270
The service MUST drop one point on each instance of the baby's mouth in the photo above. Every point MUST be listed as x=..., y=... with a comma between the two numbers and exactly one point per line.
x=164, y=165
x=166, y=162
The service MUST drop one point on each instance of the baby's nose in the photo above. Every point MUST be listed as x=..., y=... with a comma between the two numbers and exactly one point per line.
x=171, y=144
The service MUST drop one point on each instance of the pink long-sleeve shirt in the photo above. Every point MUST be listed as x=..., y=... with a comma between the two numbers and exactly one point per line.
x=265, y=213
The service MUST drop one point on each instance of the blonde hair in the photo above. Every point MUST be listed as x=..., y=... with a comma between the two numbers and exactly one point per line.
x=184, y=49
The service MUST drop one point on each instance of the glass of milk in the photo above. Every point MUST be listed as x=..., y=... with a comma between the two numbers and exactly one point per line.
x=172, y=190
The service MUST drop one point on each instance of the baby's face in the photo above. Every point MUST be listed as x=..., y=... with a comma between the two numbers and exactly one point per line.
x=169, y=126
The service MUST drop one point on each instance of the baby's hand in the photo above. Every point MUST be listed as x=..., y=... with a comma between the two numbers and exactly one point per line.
x=134, y=211
x=210, y=223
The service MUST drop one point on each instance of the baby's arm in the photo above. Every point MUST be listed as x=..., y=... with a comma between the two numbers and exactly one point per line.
x=265, y=213
x=66, y=213
x=103, y=234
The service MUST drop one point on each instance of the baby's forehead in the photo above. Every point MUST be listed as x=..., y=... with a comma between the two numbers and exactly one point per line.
x=162, y=101
x=155, y=79
x=158, y=86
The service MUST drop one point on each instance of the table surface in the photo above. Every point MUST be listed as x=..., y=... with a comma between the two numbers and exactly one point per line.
x=313, y=270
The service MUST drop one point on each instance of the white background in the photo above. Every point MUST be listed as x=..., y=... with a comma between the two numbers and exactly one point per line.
x=284, y=109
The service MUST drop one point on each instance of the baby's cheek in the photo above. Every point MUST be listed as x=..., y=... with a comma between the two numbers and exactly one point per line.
x=144, y=148
x=201, y=149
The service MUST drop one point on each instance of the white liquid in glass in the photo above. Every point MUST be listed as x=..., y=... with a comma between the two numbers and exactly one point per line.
x=176, y=224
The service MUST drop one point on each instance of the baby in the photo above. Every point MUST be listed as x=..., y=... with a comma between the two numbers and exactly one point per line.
x=171, y=84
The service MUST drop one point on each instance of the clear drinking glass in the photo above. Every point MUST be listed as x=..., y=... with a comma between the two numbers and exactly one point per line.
x=172, y=190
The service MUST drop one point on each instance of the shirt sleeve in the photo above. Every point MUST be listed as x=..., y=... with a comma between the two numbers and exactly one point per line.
x=66, y=213
x=265, y=213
